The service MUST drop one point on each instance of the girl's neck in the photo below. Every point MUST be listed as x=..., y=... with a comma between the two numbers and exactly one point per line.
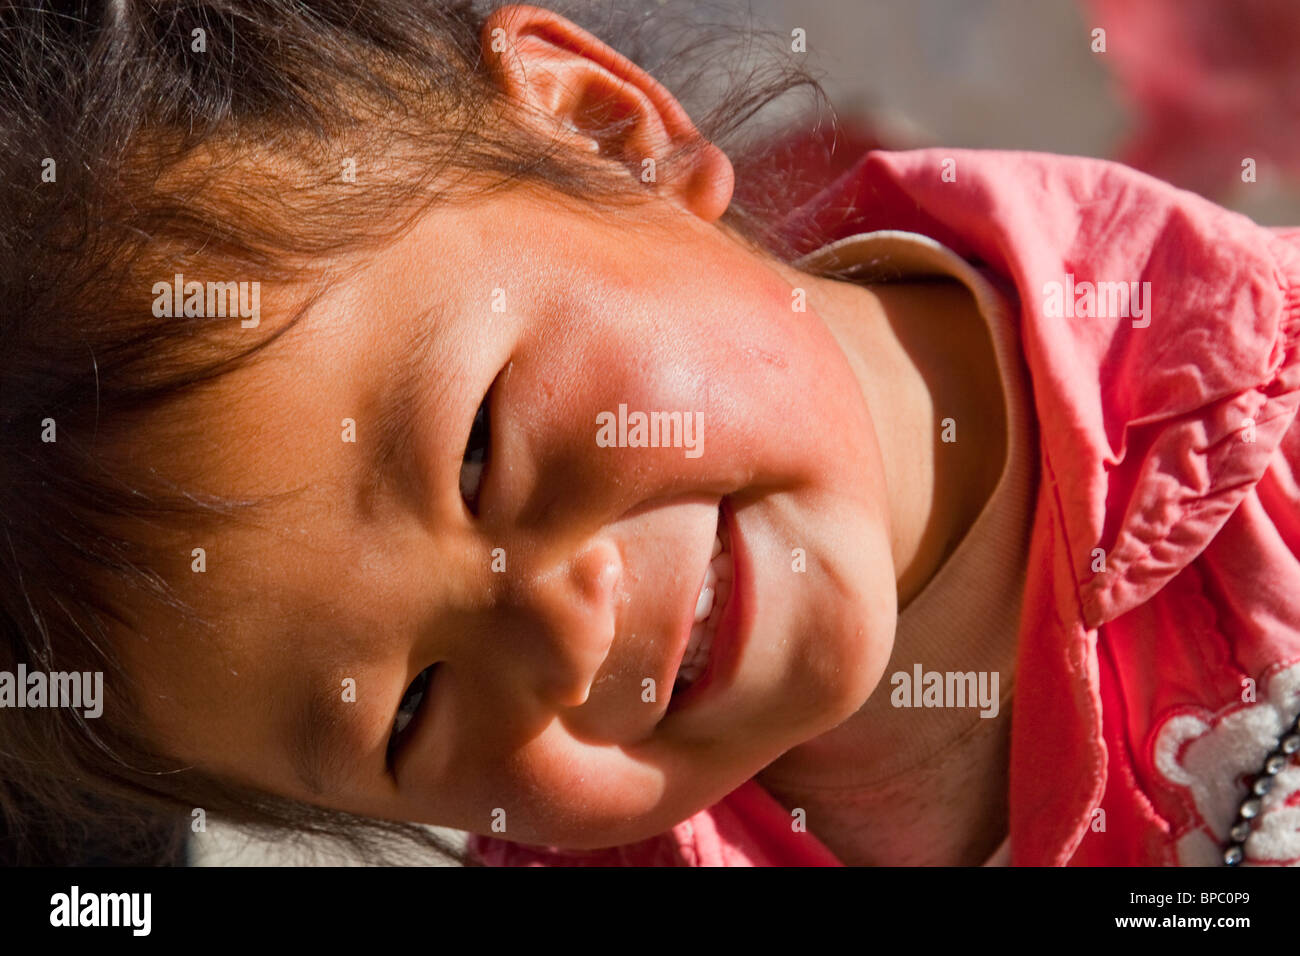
x=922, y=356
x=921, y=353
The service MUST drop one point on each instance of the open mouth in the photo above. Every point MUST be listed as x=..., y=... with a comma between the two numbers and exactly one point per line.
x=710, y=604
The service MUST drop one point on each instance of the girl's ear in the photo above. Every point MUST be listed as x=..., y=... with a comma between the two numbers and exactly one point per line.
x=570, y=79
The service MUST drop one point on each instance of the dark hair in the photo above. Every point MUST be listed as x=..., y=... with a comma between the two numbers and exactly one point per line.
x=130, y=154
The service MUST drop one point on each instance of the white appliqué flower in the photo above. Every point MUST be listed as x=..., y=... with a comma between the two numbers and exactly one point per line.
x=1212, y=756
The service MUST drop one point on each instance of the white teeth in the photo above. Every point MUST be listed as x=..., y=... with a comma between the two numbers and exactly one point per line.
x=697, y=654
x=704, y=605
x=714, y=591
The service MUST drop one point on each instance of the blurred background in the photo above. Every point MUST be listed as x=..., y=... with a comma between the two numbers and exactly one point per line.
x=1183, y=89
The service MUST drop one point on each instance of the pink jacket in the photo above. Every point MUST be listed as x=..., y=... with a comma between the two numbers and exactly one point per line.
x=1159, y=644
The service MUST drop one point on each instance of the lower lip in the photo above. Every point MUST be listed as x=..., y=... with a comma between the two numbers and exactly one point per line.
x=733, y=629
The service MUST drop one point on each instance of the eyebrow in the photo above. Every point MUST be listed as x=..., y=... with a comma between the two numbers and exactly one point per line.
x=396, y=417
x=319, y=748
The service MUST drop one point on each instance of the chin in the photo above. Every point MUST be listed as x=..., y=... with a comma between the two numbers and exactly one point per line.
x=838, y=688
x=848, y=639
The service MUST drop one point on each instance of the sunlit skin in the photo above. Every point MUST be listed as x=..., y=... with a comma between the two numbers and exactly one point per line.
x=817, y=428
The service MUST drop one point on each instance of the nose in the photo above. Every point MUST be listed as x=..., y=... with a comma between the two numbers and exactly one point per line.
x=566, y=604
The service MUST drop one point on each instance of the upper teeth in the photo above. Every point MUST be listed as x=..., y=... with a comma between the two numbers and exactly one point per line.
x=704, y=603
x=713, y=596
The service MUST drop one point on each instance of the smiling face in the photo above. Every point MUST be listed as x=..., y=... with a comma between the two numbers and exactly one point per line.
x=574, y=578
x=555, y=587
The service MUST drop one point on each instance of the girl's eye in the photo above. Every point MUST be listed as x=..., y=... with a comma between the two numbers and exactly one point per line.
x=409, y=706
x=476, y=453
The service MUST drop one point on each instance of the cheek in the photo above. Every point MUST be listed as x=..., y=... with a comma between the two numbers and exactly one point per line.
x=559, y=791
x=850, y=635
x=756, y=374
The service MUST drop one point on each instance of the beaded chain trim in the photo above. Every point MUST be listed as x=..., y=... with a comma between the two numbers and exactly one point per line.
x=1234, y=852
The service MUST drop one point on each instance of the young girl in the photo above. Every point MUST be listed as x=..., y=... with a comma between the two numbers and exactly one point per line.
x=533, y=489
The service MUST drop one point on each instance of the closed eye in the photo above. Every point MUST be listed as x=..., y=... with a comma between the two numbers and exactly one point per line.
x=410, y=705
x=476, y=455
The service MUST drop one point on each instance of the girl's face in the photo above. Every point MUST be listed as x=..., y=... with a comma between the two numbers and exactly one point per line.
x=558, y=608
x=555, y=588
